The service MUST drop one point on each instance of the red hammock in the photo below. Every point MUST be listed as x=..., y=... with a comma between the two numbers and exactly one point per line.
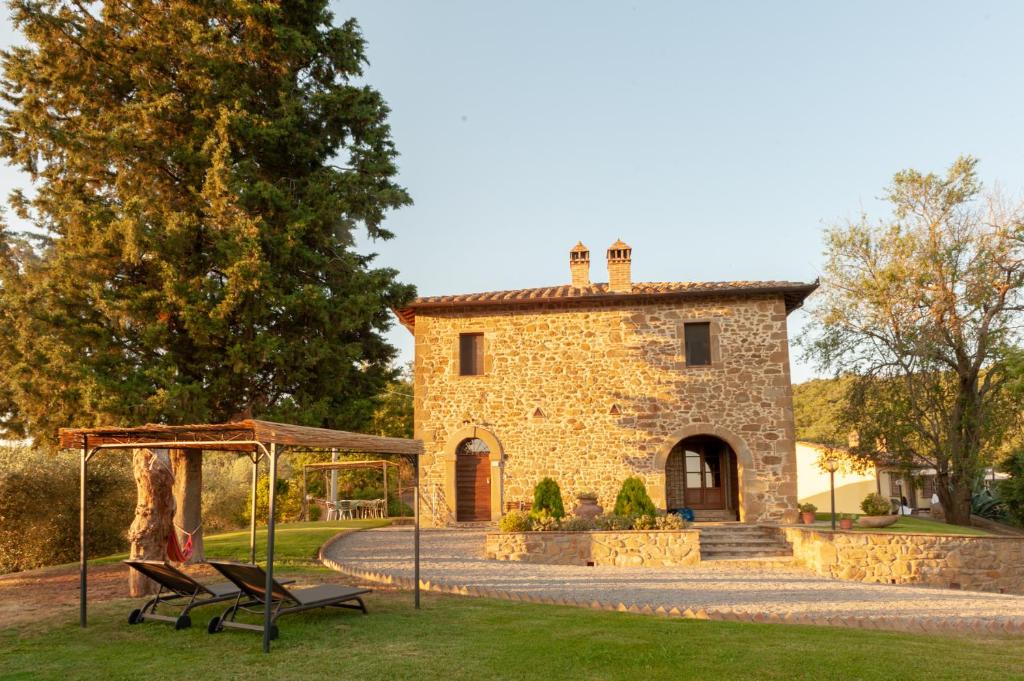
x=177, y=553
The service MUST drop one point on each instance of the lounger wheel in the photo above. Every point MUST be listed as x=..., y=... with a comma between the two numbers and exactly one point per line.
x=183, y=622
x=214, y=626
x=135, y=616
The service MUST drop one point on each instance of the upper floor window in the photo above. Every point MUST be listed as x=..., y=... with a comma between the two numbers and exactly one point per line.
x=697, y=340
x=471, y=354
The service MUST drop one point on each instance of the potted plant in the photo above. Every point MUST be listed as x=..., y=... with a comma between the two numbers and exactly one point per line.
x=807, y=512
x=845, y=521
x=877, y=511
x=587, y=506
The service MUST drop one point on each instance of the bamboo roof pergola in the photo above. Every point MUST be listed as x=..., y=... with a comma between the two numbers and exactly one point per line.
x=259, y=440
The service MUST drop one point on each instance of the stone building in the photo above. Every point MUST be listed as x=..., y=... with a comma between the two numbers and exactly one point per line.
x=685, y=385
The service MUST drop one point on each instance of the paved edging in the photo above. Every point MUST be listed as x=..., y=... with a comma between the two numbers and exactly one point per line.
x=918, y=625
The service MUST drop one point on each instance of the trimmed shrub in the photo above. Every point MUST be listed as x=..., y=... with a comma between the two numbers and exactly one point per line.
x=644, y=522
x=548, y=497
x=576, y=524
x=875, y=504
x=611, y=521
x=515, y=521
x=633, y=499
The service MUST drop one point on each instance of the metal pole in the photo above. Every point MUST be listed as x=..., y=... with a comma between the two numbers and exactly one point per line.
x=83, y=567
x=334, y=480
x=252, y=507
x=267, y=600
x=305, y=496
x=832, y=487
x=384, y=470
x=416, y=530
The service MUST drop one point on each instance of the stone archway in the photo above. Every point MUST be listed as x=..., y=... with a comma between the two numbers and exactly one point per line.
x=496, y=456
x=744, y=464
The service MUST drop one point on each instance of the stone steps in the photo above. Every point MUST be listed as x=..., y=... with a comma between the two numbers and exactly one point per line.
x=740, y=542
x=745, y=563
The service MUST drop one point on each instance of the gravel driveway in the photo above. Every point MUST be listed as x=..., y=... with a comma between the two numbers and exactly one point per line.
x=455, y=558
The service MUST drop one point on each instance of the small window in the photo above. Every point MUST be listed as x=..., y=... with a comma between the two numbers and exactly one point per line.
x=471, y=354
x=697, y=337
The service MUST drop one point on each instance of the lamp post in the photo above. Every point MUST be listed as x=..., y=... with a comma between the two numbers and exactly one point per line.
x=831, y=465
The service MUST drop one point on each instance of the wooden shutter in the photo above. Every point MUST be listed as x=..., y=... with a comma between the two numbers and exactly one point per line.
x=697, y=339
x=471, y=354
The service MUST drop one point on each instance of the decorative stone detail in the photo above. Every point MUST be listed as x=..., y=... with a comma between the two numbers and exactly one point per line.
x=971, y=563
x=655, y=548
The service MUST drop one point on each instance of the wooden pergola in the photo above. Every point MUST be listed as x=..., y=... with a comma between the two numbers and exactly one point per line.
x=259, y=440
x=326, y=466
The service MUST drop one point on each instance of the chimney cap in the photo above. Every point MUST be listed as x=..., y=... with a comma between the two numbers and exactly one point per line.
x=619, y=243
x=579, y=248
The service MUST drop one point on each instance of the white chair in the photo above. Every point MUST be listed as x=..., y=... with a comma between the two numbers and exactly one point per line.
x=344, y=510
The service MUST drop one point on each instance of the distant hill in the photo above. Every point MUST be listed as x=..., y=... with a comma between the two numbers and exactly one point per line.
x=817, y=405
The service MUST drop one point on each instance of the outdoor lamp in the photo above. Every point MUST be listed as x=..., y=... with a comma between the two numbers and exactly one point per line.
x=832, y=465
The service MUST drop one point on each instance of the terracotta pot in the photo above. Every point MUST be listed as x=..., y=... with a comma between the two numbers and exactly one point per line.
x=586, y=507
x=846, y=523
x=877, y=520
x=808, y=518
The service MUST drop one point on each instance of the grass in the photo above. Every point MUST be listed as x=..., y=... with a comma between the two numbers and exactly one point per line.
x=463, y=638
x=912, y=524
x=295, y=544
x=467, y=638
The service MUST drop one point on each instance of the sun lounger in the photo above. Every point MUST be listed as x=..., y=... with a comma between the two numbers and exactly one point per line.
x=251, y=580
x=174, y=586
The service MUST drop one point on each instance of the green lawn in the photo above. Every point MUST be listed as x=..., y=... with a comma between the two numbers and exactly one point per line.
x=467, y=638
x=464, y=638
x=914, y=525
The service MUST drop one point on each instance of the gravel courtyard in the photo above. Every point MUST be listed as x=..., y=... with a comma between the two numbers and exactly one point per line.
x=455, y=558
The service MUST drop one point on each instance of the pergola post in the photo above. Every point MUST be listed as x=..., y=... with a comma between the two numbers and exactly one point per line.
x=83, y=565
x=387, y=506
x=305, y=496
x=252, y=506
x=416, y=528
x=268, y=593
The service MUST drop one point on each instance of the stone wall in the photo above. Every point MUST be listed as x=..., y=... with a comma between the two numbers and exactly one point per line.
x=592, y=393
x=654, y=548
x=973, y=563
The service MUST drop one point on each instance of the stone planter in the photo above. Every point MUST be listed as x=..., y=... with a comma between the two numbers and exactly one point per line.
x=846, y=523
x=628, y=548
x=587, y=507
x=877, y=520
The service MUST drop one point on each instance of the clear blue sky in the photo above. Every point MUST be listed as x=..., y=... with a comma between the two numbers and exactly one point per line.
x=717, y=139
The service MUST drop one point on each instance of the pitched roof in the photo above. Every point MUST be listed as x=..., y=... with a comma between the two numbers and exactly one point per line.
x=794, y=293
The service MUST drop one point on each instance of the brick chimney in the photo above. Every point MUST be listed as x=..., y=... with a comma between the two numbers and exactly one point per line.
x=579, y=265
x=620, y=256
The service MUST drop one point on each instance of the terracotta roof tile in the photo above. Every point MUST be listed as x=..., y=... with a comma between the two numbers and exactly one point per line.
x=794, y=293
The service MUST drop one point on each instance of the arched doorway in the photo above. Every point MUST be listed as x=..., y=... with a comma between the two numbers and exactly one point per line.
x=472, y=481
x=701, y=473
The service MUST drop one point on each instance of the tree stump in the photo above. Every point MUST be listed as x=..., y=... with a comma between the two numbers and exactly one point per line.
x=154, y=512
x=187, y=465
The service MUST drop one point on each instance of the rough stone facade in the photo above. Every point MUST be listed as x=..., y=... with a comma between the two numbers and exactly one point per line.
x=972, y=563
x=655, y=548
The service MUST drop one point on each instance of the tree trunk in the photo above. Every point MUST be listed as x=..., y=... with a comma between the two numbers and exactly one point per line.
x=154, y=511
x=955, y=497
x=188, y=498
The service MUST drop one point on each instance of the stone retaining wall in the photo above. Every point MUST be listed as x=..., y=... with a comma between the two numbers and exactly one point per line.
x=654, y=548
x=973, y=563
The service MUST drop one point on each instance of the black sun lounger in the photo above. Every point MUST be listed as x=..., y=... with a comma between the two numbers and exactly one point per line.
x=175, y=585
x=252, y=580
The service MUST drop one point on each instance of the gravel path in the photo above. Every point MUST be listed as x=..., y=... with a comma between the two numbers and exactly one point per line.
x=455, y=558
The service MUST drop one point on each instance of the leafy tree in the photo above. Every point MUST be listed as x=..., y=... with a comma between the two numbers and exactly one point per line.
x=1011, y=490
x=199, y=171
x=923, y=310
x=818, y=406
x=633, y=499
x=394, y=414
x=547, y=497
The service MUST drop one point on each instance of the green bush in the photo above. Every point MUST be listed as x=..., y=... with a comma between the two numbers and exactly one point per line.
x=644, y=522
x=543, y=521
x=515, y=521
x=548, y=497
x=807, y=508
x=576, y=524
x=226, y=487
x=611, y=521
x=875, y=504
x=39, y=506
x=1011, y=490
x=633, y=499
x=670, y=521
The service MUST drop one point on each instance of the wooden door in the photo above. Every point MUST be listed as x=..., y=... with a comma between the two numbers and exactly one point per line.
x=702, y=471
x=473, y=487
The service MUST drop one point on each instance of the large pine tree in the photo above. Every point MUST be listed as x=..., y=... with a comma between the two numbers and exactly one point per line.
x=199, y=170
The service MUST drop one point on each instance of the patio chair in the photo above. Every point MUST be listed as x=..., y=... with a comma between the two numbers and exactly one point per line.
x=176, y=585
x=345, y=510
x=251, y=581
